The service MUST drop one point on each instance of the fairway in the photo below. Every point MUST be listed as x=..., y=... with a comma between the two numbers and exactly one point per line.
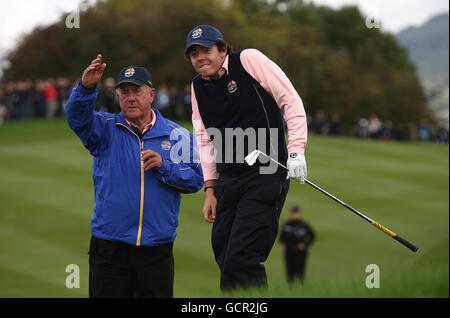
x=46, y=202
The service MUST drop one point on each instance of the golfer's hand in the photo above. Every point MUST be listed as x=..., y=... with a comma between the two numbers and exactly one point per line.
x=93, y=73
x=152, y=160
x=209, y=208
x=296, y=165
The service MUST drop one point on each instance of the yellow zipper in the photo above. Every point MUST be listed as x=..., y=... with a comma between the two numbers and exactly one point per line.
x=141, y=206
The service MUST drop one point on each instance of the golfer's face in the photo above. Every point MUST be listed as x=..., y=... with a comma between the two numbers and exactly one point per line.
x=135, y=101
x=206, y=60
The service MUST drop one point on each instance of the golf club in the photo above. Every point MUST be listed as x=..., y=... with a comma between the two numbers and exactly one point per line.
x=251, y=158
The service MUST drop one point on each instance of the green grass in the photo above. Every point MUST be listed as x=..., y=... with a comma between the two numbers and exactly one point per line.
x=46, y=200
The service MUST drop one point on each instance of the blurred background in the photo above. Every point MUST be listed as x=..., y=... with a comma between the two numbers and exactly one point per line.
x=373, y=77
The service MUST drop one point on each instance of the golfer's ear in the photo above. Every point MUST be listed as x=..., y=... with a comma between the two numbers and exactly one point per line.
x=152, y=93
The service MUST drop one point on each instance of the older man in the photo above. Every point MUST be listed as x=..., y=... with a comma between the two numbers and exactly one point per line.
x=138, y=180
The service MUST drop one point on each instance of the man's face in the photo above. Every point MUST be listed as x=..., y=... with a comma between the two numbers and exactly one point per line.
x=135, y=101
x=206, y=60
x=295, y=216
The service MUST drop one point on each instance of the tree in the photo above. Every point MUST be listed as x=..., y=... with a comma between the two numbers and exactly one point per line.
x=335, y=62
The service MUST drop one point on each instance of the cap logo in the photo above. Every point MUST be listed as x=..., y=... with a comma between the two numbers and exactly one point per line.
x=129, y=72
x=197, y=33
x=166, y=145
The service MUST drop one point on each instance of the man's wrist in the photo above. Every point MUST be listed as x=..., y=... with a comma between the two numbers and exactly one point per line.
x=210, y=186
x=209, y=189
x=164, y=168
x=210, y=183
x=87, y=89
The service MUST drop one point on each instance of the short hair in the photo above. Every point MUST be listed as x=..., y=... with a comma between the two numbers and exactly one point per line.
x=222, y=45
x=296, y=209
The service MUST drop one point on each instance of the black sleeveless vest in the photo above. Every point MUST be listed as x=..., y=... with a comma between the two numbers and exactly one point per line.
x=237, y=100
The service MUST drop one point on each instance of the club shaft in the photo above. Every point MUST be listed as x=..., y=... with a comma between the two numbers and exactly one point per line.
x=380, y=227
x=365, y=217
x=328, y=194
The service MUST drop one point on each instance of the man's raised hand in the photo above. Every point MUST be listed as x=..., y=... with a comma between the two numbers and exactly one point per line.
x=93, y=73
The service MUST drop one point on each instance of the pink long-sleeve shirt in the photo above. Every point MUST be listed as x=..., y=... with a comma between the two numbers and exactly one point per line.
x=275, y=82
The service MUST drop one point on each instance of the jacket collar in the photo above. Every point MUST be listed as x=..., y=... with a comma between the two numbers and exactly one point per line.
x=159, y=129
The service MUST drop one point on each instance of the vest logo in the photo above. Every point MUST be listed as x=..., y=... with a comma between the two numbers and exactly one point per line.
x=165, y=145
x=232, y=86
x=197, y=33
x=129, y=72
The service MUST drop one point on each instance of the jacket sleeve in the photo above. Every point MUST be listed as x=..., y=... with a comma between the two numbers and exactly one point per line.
x=182, y=170
x=87, y=124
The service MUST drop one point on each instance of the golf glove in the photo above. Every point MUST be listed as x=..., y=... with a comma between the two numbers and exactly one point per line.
x=296, y=165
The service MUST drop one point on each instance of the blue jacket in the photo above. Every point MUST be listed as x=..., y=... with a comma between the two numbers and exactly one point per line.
x=132, y=205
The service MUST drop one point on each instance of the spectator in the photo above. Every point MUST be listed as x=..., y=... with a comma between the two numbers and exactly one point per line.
x=51, y=98
x=375, y=126
x=295, y=239
x=162, y=99
x=318, y=123
x=184, y=108
x=335, y=125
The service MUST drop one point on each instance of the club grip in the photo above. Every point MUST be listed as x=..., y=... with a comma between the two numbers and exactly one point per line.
x=409, y=245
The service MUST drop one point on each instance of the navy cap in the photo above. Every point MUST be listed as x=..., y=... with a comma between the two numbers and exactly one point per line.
x=295, y=209
x=134, y=74
x=204, y=35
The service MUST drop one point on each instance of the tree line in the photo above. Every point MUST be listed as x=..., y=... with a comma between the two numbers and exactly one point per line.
x=336, y=63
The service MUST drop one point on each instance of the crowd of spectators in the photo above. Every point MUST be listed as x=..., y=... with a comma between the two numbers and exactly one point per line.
x=374, y=127
x=45, y=98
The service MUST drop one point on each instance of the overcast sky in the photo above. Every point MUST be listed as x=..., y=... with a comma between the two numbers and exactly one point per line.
x=20, y=16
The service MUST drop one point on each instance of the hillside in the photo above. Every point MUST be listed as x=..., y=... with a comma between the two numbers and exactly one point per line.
x=428, y=49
